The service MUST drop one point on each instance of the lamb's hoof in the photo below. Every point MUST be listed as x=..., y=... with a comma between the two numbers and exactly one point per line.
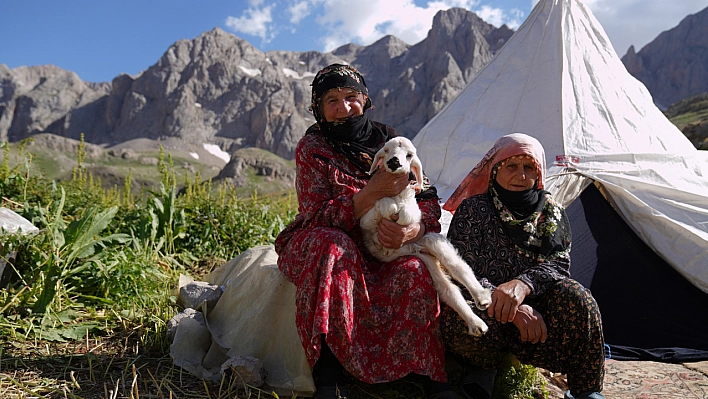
x=477, y=330
x=483, y=300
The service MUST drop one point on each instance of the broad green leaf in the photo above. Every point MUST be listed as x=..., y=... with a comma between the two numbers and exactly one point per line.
x=52, y=334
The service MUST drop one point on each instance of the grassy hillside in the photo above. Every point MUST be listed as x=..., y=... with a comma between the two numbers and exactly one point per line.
x=691, y=117
x=138, y=161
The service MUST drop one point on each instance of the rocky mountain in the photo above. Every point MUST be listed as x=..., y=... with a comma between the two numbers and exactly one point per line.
x=674, y=66
x=261, y=163
x=219, y=89
x=47, y=99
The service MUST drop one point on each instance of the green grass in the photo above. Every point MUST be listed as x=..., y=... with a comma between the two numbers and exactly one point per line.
x=690, y=117
x=519, y=381
x=690, y=110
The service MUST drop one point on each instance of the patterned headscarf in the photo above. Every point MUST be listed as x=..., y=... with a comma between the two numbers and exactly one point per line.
x=356, y=137
x=332, y=77
x=478, y=180
x=542, y=231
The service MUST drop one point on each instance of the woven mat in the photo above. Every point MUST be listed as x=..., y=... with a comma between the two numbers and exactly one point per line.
x=645, y=380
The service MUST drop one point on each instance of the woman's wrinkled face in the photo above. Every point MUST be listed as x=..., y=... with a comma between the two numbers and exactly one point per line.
x=517, y=174
x=342, y=103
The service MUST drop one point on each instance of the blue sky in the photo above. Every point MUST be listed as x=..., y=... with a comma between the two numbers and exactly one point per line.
x=100, y=39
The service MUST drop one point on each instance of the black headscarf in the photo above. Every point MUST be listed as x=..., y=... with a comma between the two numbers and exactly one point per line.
x=356, y=137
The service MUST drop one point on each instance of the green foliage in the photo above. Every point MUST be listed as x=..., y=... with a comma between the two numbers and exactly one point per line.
x=105, y=259
x=226, y=225
x=518, y=381
x=17, y=183
x=690, y=110
x=62, y=252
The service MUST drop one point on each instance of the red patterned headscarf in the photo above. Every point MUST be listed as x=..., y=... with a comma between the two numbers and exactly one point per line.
x=477, y=181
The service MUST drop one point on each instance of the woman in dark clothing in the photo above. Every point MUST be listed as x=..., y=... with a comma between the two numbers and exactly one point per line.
x=376, y=320
x=517, y=240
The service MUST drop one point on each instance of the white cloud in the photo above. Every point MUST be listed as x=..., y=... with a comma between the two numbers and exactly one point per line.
x=298, y=11
x=494, y=16
x=346, y=21
x=339, y=22
x=254, y=21
x=638, y=22
x=512, y=18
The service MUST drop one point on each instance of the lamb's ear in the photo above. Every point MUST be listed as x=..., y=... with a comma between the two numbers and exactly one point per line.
x=378, y=160
x=417, y=169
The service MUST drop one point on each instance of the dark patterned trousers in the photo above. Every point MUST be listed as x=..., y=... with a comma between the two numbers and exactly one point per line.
x=574, y=344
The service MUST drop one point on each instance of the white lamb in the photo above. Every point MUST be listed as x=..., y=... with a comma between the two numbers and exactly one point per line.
x=439, y=256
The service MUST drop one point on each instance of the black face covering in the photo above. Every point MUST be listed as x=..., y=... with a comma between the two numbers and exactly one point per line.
x=520, y=203
x=355, y=129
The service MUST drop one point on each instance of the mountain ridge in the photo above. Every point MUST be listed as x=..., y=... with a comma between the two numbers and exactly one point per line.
x=219, y=89
x=674, y=66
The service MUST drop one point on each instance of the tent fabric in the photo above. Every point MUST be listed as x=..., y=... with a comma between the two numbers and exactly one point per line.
x=649, y=311
x=559, y=80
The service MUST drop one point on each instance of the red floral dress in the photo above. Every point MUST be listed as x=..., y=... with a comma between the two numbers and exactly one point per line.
x=379, y=319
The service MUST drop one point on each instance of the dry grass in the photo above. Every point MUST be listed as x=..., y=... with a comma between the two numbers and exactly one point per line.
x=104, y=368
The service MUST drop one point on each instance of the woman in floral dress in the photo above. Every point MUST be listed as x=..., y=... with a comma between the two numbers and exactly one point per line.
x=517, y=240
x=378, y=321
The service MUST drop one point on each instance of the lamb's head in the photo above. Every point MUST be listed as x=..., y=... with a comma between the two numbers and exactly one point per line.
x=399, y=155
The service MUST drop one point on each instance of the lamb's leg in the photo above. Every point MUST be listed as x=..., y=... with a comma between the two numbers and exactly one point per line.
x=451, y=295
x=441, y=249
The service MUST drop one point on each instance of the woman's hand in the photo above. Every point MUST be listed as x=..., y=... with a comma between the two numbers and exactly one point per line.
x=386, y=184
x=394, y=235
x=506, y=300
x=530, y=324
x=382, y=184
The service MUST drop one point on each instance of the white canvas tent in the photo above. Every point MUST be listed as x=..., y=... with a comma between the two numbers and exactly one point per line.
x=559, y=79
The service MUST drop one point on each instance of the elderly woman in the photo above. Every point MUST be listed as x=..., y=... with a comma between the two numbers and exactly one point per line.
x=378, y=321
x=517, y=240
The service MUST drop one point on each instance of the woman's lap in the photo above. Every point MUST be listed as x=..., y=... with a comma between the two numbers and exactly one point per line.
x=380, y=320
x=574, y=343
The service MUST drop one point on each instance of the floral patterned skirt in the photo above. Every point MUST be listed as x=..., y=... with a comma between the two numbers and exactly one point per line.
x=574, y=343
x=379, y=319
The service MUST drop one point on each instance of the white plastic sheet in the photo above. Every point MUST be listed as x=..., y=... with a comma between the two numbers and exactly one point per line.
x=11, y=222
x=255, y=316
